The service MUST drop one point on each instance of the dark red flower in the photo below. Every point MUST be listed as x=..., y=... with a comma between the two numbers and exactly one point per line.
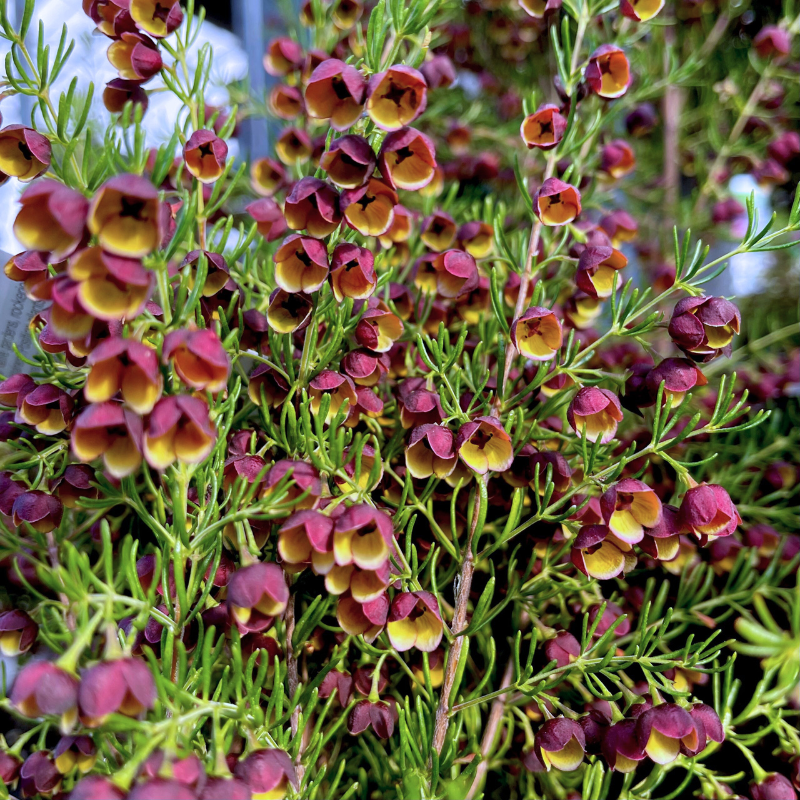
x=38, y=775
x=42, y=688
x=256, y=594
x=708, y=512
x=124, y=686
x=396, y=97
x=595, y=414
x=336, y=91
x=608, y=72
x=556, y=202
x=17, y=632
x=407, y=159
x=267, y=772
x=24, y=153
x=312, y=205
x=378, y=715
x=544, y=128
x=703, y=327
x=349, y=161
x=560, y=743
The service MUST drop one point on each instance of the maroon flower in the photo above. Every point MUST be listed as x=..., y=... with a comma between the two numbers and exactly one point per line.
x=539, y=9
x=119, y=92
x=564, y=649
x=370, y=208
x=643, y=119
x=431, y=451
x=9, y=768
x=179, y=428
x=110, y=431
x=598, y=271
x=24, y=153
x=560, y=743
x=773, y=787
x=336, y=386
x=663, y=730
x=267, y=772
x=362, y=619
x=336, y=91
x=264, y=379
x=621, y=748
x=257, y=594
x=225, y=789
x=125, y=366
x=456, y=273
x=313, y=205
x=396, y=97
x=283, y=56
x=596, y=552
x=135, y=56
x=679, y=376
x=74, y=751
x=352, y=272
x=29, y=267
x=544, y=128
x=38, y=775
x=484, y=445
x=301, y=264
x=294, y=146
x=556, y=203
x=439, y=72
x=611, y=614
x=341, y=682
x=204, y=154
x=537, y=334
x=15, y=388
x=365, y=368
x=124, y=686
x=305, y=481
x=287, y=312
x=161, y=789
x=267, y=176
x=378, y=715
x=595, y=414
x=378, y=330
x=349, y=161
x=199, y=358
x=96, y=787
x=703, y=327
x=415, y=621
x=707, y=727
x=286, y=102
x=608, y=72
x=306, y=537
x=40, y=510
x=268, y=217
x=438, y=231
x=407, y=159
x=47, y=408
x=629, y=507
x=17, y=632
x=52, y=218
x=708, y=512
x=43, y=688
x=772, y=41
x=562, y=474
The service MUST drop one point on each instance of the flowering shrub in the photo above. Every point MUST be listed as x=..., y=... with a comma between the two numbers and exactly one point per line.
x=408, y=460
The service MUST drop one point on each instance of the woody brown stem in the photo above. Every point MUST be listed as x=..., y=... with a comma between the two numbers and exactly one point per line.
x=458, y=625
x=525, y=278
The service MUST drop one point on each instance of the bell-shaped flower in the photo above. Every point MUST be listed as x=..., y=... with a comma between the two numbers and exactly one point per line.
x=301, y=264
x=537, y=334
x=407, y=159
x=256, y=594
x=595, y=414
x=349, y=161
x=336, y=91
x=431, y=451
x=396, y=97
x=484, y=445
x=199, y=358
x=560, y=743
x=178, y=429
x=556, y=203
x=313, y=205
x=111, y=431
x=629, y=507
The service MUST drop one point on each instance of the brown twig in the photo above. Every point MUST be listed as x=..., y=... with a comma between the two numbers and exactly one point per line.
x=458, y=625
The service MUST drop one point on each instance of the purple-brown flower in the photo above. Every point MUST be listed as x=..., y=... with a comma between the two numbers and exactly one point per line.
x=199, y=358
x=135, y=56
x=640, y=10
x=268, y=773
x=268, y=217
x=349, y=161
x=362, y=619
x=123, y=686
x=544, y=128
x=17, y=632
x=24, y=153
x=561, y=474
x=111, y=431
x=287, y=312
x=179, y=428
x=376, y=714
x=378, y=329
x=256, y=594
x=301, y=264
x=204, y=154
x=679, y=376
x=313, y=205
x=438, y=231
x=125, y=366
x=38, y=776
x=336, y=91
x=40, y=510
x=42, y=688
x=560, y=743
x=52, y=218
x=662, y=730
x=47, y=408
x=608, y=72
x=306, y=537
x=96, y=787
x=703, y=327
x=456, y=273
x=596, y=552
x=708, y=511
x=431, y=451
x=352, y=272
x=396, y=97
x=621, y=748
x=599, y=271
x=556, y=203
x=415, y=621
x=369, y=209
x=595, y=414
x=407, y=159
x=484, y=445
x=537, y=334
x=629, y=507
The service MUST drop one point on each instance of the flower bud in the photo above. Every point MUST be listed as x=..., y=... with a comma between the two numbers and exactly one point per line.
x=418, y=406
x=341, y=682
x=562, y=474
x=564, y=649
x=396, y=97
x=679, y=376
x=378, y=715
x=119, y=92
x=772, y=41
x=123, y=686
x=773, y=787
x=29, y=267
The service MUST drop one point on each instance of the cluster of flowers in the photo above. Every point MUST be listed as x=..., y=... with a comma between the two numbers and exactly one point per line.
x=139, y=388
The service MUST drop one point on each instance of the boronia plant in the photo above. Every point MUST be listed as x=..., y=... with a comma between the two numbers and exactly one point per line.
x=407, y=461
